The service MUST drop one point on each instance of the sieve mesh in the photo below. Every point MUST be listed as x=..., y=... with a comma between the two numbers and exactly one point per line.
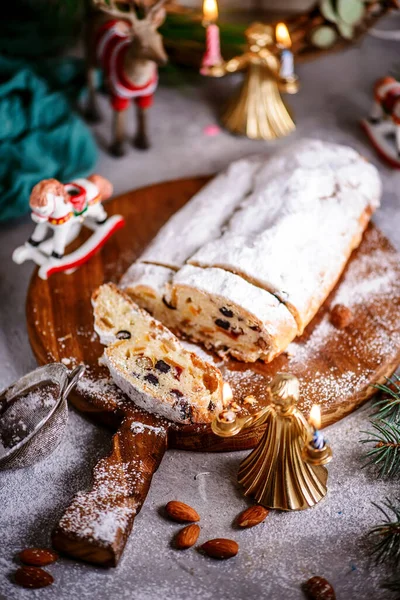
x=33, y=415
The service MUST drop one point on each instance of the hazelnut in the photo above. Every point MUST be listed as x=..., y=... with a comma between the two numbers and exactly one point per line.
x=341, y=316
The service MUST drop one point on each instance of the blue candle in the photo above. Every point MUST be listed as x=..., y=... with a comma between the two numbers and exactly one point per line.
x=287, y=64
x=318, y=441
x=284, y=43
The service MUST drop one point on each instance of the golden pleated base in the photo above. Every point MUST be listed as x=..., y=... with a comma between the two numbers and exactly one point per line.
x=275, y=474
x=258, y=111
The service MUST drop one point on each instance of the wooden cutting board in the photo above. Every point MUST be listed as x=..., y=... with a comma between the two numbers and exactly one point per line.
x=336, y=367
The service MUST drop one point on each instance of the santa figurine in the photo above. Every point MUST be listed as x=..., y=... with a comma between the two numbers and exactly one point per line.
x=62, y=209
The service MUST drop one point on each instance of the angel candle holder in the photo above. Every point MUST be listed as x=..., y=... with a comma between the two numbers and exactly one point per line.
x=258, y=110
x=285, y=471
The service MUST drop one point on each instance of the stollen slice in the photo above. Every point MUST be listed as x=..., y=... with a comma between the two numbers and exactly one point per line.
x=150, y=365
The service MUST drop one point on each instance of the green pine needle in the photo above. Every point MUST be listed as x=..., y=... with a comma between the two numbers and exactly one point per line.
x=387, y=534
x=385, y=453
x=388, y=407
x=393, y=586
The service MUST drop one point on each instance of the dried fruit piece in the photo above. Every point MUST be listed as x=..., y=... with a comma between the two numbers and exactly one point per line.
x=162, y=366
x=210, y=382
x=226, y=312
x=223, y=324
x=220, y=548
x=123, y=334
x=32, y=577
x=185, y=409
x=341, y=316
x=37, y=557
x=187, y=537
x=183, y=513
x=153, y=379
x=318, y=588
x=254, y=515
x=144, y=362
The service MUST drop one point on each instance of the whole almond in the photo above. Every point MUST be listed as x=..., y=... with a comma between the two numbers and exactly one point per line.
x=37, y=557
x=220, y=548
x=33, y=577
x=183, y=513
x=254, y=515
x=187, y=537
x=318, y=588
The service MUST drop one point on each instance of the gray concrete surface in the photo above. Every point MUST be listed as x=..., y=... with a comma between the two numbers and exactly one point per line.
x=277, y=556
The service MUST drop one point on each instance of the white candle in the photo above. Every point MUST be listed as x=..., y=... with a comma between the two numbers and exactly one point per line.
x=285, y=43
x=227, y=395
x=212, y=54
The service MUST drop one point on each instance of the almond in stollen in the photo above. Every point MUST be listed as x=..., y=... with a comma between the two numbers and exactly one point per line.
x=183, y=513
x=220, y=548
x=37, y=557
x=33, y=577
x=254, y=515
x=187, y=537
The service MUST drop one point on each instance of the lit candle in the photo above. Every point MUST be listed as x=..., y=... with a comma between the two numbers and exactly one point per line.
x=212, y=54
x=227, y=395
x=285, y=43
x=318, y=441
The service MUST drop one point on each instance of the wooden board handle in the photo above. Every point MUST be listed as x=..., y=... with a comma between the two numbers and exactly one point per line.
x=96, y=525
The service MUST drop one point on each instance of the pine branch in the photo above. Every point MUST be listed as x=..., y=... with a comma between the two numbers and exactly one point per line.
x=388, y=407
x=387, y=534
x=385, y=454
x=393, y=586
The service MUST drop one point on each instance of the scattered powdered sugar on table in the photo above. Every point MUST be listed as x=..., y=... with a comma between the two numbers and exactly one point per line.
x=274, y=557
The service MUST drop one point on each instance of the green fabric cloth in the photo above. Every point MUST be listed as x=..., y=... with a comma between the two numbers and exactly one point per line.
x=40, y=134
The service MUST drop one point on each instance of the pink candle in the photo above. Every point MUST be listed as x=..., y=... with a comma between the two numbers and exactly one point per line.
x=212, y=54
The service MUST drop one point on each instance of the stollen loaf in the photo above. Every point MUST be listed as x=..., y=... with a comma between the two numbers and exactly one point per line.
x=256, y=277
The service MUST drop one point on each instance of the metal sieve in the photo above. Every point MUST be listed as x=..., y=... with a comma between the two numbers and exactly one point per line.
x=34, y=413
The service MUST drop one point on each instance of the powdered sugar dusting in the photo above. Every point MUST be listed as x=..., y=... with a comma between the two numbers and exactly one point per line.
x=303, y=352
x=102, y=388
x=138, y=427
x=24, y=414
x=102, y=512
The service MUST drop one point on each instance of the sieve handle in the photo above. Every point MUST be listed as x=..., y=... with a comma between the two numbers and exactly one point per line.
x=72, y=379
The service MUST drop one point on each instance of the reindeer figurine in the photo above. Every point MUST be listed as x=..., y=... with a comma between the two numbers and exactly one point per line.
x=383, y=124
x=128, y=49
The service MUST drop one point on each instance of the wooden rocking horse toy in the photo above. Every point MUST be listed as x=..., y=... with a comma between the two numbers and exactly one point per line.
x=383, y=124
x=128, y=49
x=63, y=209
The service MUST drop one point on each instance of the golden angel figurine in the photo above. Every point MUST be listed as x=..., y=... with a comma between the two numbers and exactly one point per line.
x=282, y=472
x=258, y=111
